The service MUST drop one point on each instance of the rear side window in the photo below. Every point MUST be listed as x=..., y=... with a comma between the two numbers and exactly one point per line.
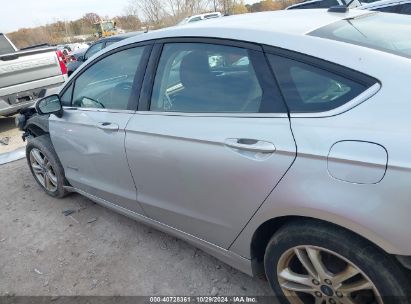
x=308, y=89
x=212, y=78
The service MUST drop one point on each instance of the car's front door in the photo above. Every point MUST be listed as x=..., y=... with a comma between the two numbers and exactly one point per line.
x=89, y=138
x=213, y=140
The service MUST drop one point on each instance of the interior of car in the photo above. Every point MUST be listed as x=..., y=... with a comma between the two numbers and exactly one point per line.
x=206, y=81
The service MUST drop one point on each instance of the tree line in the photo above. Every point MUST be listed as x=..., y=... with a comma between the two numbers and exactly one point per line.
x=137, y=15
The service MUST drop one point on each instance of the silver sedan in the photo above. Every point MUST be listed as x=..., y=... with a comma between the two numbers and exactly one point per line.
x=279, y=142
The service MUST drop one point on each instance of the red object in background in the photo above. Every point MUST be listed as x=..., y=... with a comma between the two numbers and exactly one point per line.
x=62, y=61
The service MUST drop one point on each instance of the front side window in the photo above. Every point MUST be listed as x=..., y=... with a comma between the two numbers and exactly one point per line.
x=310, y=89
x=107, y=84
x=66, y=97
x=200, y=77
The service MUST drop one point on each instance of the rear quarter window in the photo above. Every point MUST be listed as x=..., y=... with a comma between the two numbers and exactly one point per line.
x=308, y=88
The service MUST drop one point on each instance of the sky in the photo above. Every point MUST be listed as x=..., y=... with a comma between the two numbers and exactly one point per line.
x=29, y=13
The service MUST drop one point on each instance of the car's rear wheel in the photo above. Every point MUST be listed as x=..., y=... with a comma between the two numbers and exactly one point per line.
x=45, y=166
x=323, y=264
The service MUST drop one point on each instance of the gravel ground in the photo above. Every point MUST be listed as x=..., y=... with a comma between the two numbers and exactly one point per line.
x=43, y=252
x=8, y=129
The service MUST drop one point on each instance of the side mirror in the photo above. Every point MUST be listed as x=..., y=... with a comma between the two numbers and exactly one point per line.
x=81, y=58
x=50, y=105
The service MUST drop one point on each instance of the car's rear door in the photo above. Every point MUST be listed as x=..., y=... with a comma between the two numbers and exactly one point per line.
x=211, y=140
x=89, y=138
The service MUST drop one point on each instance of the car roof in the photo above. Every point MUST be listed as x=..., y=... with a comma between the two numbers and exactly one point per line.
x=127, y=35
x=383, y=3
x=286, y=29
x=292, y=22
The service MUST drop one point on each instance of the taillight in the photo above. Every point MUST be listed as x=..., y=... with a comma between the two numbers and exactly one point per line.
x=63, y=67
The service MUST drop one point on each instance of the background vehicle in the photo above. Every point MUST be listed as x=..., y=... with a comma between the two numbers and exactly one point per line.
x=311, y=4
x=390, y=6
x=83, y=55
x=276, y=152
x=25, y=74
x=200, y=17
x=106, y=28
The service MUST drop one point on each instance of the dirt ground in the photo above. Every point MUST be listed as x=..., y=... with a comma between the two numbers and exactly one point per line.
x=96, y=251
x=8, y=129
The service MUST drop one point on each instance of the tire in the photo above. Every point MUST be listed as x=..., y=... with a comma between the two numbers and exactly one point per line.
x=49, y=174
x=302, y=242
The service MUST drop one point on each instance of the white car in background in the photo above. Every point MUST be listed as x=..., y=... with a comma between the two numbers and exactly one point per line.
x=200, y=17
x=311, y=4
x=390, y=6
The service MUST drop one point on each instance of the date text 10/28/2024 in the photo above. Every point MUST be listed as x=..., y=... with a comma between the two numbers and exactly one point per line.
x=204, y=299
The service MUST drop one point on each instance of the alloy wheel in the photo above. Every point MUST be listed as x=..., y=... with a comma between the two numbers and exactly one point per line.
x=310, y=274
x=43, y=170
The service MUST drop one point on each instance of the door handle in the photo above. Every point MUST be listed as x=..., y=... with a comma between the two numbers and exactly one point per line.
x=253, y=145
x=107, y=126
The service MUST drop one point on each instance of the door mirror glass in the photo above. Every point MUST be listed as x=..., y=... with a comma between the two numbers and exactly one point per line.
x=49, y=105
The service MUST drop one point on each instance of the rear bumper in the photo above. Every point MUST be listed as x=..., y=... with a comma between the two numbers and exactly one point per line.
x=7, y=109
x=11, y=104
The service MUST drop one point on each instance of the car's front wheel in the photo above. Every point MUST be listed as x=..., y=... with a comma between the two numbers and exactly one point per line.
x=45, y=165
x=307, y=262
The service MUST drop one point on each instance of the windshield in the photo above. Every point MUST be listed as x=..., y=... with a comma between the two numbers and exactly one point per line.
x=385, y=32
x=107, y=26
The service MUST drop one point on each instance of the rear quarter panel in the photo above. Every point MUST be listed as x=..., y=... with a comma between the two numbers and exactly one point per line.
x=379, y=211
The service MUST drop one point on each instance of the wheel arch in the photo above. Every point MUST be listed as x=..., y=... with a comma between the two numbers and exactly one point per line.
x=36, y=130
x=267, y=229
x=37, y=125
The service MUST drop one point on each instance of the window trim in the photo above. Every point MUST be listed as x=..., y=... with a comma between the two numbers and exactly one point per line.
x=137, y=82
x=373, y=84
x=148, y=84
